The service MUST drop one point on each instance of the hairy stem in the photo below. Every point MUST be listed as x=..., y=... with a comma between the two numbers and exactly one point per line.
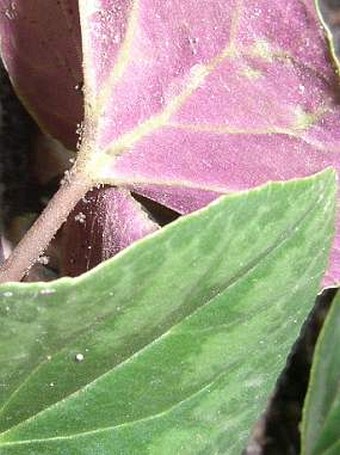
x=45, y=227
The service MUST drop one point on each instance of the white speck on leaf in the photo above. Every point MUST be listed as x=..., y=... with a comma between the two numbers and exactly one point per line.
x=7, y=294
x=257, y=12
x=79, y=357
x=193, y=43
x=80, y=218
x=301, y=89
x=47, y=291
x=44, y=260
x=10, y=12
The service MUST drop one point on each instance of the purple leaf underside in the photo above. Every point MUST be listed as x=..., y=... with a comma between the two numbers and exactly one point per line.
x=188, y=100
x=196, y=99
x=41, y=49
x=103, y=223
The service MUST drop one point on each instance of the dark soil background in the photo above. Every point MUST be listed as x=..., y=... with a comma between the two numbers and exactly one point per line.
x=22, y=197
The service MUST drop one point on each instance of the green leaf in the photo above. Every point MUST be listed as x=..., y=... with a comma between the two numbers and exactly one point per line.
x=173, y=346
x=321, y=416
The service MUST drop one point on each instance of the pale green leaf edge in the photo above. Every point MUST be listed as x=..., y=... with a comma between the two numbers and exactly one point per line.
x=314, y=425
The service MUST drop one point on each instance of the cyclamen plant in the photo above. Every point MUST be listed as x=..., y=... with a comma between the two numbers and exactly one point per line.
x=174, y=345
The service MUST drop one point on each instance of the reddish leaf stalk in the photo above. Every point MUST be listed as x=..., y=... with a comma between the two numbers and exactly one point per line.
x=45, y=227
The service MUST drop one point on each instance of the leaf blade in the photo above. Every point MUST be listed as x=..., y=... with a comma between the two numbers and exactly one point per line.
x=189, y=95
x=40, y=47
x=321, y=415
x=161, y=339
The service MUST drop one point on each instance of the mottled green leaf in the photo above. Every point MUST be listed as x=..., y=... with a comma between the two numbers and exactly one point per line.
x=321, y=420
x=173, y=346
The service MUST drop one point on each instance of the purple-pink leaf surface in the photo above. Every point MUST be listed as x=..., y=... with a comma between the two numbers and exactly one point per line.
x=41, y=49
x=186, y=100
x=103, y=223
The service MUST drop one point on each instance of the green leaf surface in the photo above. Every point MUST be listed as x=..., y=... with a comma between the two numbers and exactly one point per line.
x=173, y=346
x=321, y=418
